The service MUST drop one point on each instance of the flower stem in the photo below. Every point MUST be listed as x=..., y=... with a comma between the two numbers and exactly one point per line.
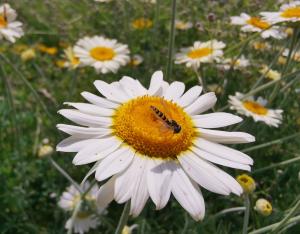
x=286, y=218
x=171, y=42
x=247, y=213
x=278, y=141
x=123, y=218
x=74, y=214
x=270, y=227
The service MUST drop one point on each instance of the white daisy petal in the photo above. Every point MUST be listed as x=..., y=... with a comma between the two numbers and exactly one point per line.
x=110, y=92
x=99, y=101
x=83, y=131
x=91, y=109
x=159, y=182
x=96, y=151
x=85, y=119
x=190, y=96
x=105, y=194
x=215, y=120
x=74, y=144
x=156, y=83
x=175, y=90
x=202, y=104
x=115, y=163
x=188, y=194
x=223, y=151
x=226, y=137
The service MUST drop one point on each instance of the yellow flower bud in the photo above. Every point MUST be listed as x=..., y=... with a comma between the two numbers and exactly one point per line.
x=263, y=207
x=281, y=60
x=247, y=183
x=45, y=150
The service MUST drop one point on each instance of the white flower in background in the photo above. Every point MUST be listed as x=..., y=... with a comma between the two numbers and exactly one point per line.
x=289, y=12
x=200, y=52
x=295, y=54
x=236, y=64
x=149, y=1
x=182, y=25
x=255, y=109
x=256, y=24
x=269, y=73
x=154, y=142
x=71, y=61
x=10, y=29
x=85, y=219
x=104, y=54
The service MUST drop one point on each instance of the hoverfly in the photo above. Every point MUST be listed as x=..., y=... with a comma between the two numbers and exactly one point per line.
x=170, y=123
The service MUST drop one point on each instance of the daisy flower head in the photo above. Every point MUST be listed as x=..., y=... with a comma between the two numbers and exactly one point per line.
x=200, y=52
x=105, y=55
x=236, y=64
x=10, y=29
x=256, y=24
x=289, y=12
x=270, y=73
x=182, y=25
x=154, y=142
x=136, y=60
x=85, y=219
x=255, y=109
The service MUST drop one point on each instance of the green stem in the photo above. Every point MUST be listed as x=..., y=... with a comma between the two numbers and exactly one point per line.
x=270, y=227
x=74, y=214
x=171, y=42
x=291, y=49
x=65, y=174
x=277, y=165
x=286, y=218
x=278, y=141
x=247, y=213
x=123, y=218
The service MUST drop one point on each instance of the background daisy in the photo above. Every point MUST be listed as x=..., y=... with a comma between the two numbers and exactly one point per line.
x=105, y=55
x=200, y=52
x=256, y=24
x=256, y=109
x=10, y=29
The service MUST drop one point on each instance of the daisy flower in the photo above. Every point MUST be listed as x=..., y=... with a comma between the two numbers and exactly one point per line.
x=256, y=109
x=200, y=52
x=85, y=219
x=237, y=64
x=289, y=12
x=154, y=142
x=10, y=29
x=182, y=25
x=256, y=24
x=104, y=54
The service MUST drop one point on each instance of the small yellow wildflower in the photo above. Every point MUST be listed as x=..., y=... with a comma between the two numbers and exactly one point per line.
x=289, y=31
x=128, y=229
x=142, y=23
x=28, y=54
x=136, y=60
x=261, y=46
x=45, y=150
x=281, y=60
x=247, y=183
x=47, y=50
x=270, y=74
x=263, y=207
x=60, y=63
x=71, y=60
x=19, y=48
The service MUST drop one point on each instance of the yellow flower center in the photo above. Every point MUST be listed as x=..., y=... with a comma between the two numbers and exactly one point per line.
x=291, y=12
x=142, y=23
x=139, y=126
x=255, y=107
x=3, y=21
x=258, y=23
x=198, y=53
x=102, y=53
